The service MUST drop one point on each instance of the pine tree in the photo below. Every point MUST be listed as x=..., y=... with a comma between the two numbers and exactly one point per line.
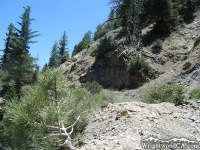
x=25, y=33
x=111, y=15
x=54, y=59
x=45, y=67
x=84, y=43
x=63, y=51
x=190, y=8
x=99, y=32
x=5, y=60
x=125, y=11
x=161, y=9
x=111, y=24
x=23, y=63
x=74, y=51
x=165, y=13
x=48, y=116
x=21, y=66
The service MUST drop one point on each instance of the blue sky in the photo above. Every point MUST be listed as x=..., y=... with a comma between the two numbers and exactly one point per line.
x=53, y=17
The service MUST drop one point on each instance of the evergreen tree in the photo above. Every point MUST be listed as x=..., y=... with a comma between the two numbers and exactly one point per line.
x=83, y=43
x=63, y=52
x=161, y=9
x=111, y=15
x=127, y=14
x=75, y=50
x=5, y=60
x=54, y=60
x=190, y=8
x=45, y=67
x=25, y=33
x=99, y=32
x=111, y=24
x=16, y=60
x=49, y=114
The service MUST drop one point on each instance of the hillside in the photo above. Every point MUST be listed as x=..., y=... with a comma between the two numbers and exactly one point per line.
x=177, y=63
x=110, y=71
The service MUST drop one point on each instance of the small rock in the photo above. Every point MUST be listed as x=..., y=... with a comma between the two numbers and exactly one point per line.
x=95, y=134
x=141, y=133
x=192, y=119
x=194, y=75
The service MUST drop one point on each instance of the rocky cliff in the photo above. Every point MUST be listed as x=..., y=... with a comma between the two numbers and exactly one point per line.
x=110, y=71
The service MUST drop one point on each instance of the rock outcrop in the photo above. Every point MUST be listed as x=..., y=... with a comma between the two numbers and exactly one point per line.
x=177, y=55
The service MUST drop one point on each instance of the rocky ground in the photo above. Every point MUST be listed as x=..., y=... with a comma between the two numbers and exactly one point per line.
x=163, y=121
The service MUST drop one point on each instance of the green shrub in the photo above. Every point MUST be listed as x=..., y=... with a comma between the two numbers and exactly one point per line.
x=195, y=93
x=11, y=93
x=35, y=119
x=166, y=93
x=156, y=46
x=137, y=66
x=64, y=58
x=196, y=42
x=162, y=26
x=93, y=87
x=105, y=45
x=101, y=30
x=93, y=53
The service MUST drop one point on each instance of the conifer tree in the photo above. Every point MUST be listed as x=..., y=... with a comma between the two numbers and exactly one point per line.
x=45, y=67
x=162, y=9
x=74, y=51
x=54, y=60
x=190, y=8
x=83, y=43
x=111, y=24
x=63, y=53
x=111, y=15
x=48, y=115
x=5, y=60
x=125, y=11
x=25, y=33
x=99, y=32
x=21, y=66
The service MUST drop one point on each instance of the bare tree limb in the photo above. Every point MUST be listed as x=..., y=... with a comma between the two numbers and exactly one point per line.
x=63, y=132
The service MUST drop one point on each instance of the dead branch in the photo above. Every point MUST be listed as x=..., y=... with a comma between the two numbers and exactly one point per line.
x=67, y=145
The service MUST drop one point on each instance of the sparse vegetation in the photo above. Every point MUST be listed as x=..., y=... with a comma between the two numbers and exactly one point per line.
x=195, y=93
x=138, y=66
x=93, y=53
x=156, y=46
x=187, y=65
x=166, y=93
x=196, y=42
x=93, y=87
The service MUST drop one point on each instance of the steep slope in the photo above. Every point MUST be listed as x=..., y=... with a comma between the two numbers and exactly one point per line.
x=110, y=71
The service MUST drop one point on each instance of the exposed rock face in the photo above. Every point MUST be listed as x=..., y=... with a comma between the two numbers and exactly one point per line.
x=110, y=71
x=176, y=56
